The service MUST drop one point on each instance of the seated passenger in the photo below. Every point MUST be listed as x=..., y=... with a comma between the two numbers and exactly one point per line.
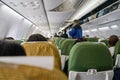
x=112, y=42
x=80, y=40
x=8, y=48
x=36, y=37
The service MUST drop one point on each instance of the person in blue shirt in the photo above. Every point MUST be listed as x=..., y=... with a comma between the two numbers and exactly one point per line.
x=76, y=32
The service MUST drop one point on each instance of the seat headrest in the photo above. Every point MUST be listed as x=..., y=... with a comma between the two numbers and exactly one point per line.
x=90, y=55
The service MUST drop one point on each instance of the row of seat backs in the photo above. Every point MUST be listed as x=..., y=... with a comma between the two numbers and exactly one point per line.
x=90, y=55
x=43, y=49
x=60, y=43
x=66, y=46
x=57, y=40
x=63, y=43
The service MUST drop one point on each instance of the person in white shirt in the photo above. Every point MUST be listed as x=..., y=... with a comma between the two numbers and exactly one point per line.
x=112, y=42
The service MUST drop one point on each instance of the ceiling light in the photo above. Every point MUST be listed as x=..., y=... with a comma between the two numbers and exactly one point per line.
x=93, y=30
x=33, y=26
x=104, y=28
x=26, y=21
x=86, y=31
x=61, y=28
x=14, y=4
x=114, y=26
x=23, y=4
x=35, y=4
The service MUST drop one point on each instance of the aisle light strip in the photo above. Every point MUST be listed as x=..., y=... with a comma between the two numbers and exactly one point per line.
x=104, y=28
x=86, y=31
x=114, y=26
x=93, y=30
x=26, y=21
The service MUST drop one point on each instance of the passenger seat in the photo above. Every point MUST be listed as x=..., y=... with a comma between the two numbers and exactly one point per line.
x=87, y=59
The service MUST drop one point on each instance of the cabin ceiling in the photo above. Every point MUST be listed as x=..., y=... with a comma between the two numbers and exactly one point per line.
x=48, y=15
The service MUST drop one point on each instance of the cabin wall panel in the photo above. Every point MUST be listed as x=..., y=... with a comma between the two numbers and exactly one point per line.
x=12, y=24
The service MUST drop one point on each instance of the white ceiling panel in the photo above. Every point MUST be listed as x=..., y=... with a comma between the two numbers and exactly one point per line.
x=51, y=4
x=57, y=19
x=31, y=9
x=47, y=15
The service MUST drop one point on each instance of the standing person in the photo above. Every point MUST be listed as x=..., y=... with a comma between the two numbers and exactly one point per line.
x=55, y=35
x=64, y=35
x=76, y=32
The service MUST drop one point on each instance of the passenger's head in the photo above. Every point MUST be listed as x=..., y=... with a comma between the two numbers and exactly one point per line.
x=75, y=22
x=37, y=37
x=80, y=40
x=8, y=38
x=8, y=48
x=113, y=40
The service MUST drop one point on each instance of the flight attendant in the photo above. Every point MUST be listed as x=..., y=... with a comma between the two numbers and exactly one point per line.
x=76, y=31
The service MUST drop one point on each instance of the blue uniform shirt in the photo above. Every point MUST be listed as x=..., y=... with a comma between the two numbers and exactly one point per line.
x=76, y=32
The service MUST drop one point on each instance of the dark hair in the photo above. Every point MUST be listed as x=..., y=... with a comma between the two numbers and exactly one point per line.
x=76, y=21
x=113, y=40
x=80, y=40
x=37, y=37
x=8, y=48
x=8, y=38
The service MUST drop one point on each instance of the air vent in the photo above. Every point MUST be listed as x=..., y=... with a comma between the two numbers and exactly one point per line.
x=65, y=6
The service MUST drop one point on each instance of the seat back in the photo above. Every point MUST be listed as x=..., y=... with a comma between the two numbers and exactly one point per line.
x=116, y=51
x=60, y=42
x=25, y=72
x=66, y=46
x=43, y=49
x=90, y=55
